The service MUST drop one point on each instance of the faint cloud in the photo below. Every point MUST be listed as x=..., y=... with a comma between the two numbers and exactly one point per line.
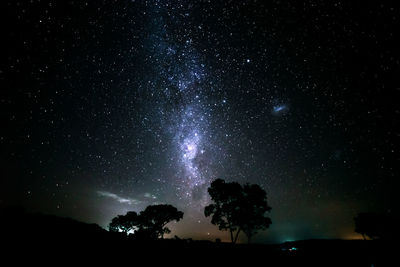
x=129, y=201
x=148, y=195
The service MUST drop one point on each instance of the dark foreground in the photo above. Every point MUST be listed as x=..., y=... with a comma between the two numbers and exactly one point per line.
x=50, y=240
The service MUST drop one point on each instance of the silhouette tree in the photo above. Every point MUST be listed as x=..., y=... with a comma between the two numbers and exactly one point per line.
x=238, y=208
x=253, y=208
x=224, y=211
x=114, y=225
x=125, y=223
x=376, y=225
x=154, y=219
x=149, y=224
x=361, y=225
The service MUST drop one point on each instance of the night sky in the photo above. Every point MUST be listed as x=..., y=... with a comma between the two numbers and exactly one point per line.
x=110, y=106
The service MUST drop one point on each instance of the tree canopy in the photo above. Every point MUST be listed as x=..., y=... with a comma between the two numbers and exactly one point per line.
x=238, y=208
x=124, y=223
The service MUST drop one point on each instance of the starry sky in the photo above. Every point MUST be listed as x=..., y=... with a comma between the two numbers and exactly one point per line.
x=110, y=106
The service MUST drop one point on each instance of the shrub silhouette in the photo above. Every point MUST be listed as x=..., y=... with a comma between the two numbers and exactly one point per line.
x=238, y=208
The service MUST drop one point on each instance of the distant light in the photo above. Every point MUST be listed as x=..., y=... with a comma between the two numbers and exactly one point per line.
x=248, y=60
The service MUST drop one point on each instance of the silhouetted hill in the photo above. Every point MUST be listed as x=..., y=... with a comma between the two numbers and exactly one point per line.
x=16, y=224
x=39, y=238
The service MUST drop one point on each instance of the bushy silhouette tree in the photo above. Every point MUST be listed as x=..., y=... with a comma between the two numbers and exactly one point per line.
x=238, y=208
x=155, y=218
x=148, y=224
x=125, y=223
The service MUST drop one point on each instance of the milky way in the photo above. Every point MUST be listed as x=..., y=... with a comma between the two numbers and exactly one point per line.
x=180, y=76
x=110, y=107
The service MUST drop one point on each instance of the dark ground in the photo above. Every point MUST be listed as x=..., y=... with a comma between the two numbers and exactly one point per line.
x=50, y=240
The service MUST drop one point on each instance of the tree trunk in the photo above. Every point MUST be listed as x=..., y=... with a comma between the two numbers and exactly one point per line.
x=236, y=237
x=230, y=230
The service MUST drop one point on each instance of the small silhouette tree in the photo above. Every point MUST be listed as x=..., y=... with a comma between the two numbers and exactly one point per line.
x=376, y=225
x=362, y=224
x=155, y=218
